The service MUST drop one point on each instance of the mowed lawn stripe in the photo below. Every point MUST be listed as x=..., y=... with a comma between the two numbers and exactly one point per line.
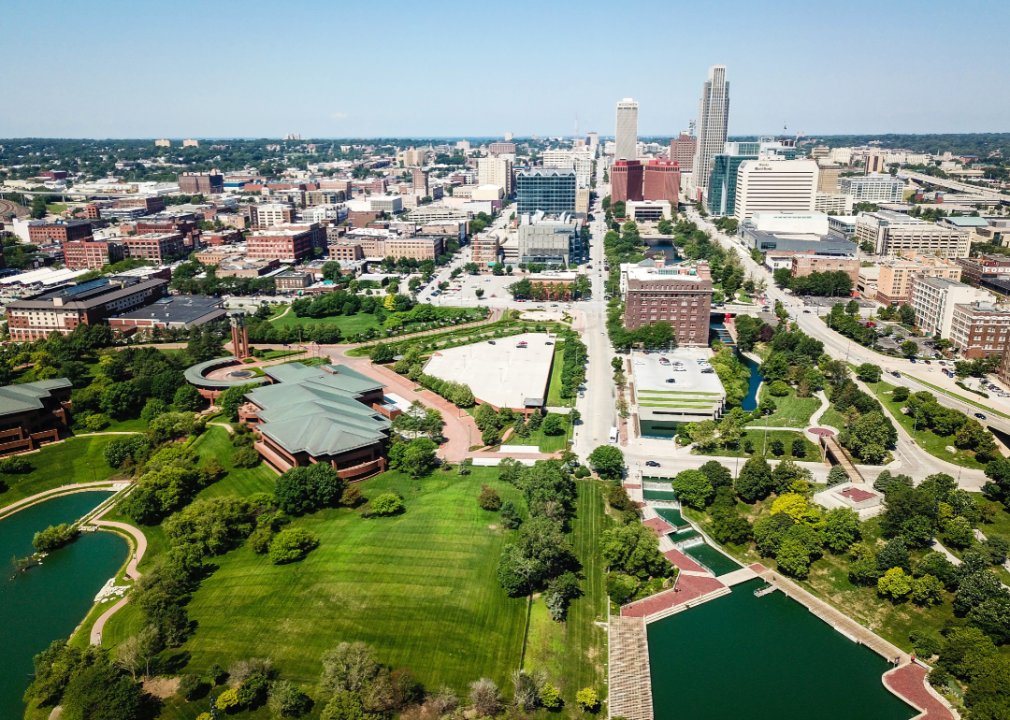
x=421, y=587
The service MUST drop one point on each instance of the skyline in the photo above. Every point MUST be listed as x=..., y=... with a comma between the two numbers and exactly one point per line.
x=810, y=71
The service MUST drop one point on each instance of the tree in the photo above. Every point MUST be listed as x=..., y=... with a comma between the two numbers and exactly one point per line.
x=187, y=399
x=608, y=461
x=419, y=457
x=349, y=668
x=927, y=590
x=288, y=701
x=909, y=348
x=587, y=699
x=491, y=436
x=634, y=549
x=485, y=417
x=894, y=555
x=718, y=474
x=485, y=697
x=306, y=489
x=552, y=425
x=793, y=558
x=232, y=399
x=292, y=544
x=489, y=498
x=693, y=488
x=755, y=480
x=895, y=584
x=841, y=529
x=869, y=373
x=837, y=476
x=868, y=437
x=101, y=692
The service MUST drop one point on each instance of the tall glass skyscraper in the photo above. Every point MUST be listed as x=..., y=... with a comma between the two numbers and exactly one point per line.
x=713, y=125
x=626, y=135
x=550, y=190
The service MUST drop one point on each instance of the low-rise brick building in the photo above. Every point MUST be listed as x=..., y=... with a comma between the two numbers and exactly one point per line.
x=158, y=247
x=346, y=252
x=807, y=264
x=286, y=245
x=59, y=232
x=680, y=295
x=201, y=183
x=980, y=267
x=292, y=280
x=979, y=329
x=90, y=254
x=148, y=203
x=32, y=414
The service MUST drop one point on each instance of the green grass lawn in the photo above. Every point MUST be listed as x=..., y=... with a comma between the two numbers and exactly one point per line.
x=833, y=418
x=976, y=403
x=757, y=437
x=932, y=443
x=546, y=443
x=574, y=654
x=420, y=587
x=55, y=208
x=278, y=354
x=216, y=443
x=76, y=460
x=350, y=325
x=554, y=398
x=792, y=411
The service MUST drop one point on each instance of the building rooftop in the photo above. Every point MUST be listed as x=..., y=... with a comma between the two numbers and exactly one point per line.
x=28, y=396
x=965, y=222
x=177, y=309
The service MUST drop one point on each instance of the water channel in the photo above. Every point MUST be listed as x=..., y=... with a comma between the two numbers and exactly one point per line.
x=48, y=601
x=764, y=658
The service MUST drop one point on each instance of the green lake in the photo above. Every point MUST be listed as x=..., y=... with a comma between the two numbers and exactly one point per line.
x=48, y=601
x=766, y=658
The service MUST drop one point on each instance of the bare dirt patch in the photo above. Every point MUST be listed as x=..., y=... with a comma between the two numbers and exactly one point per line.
x=161, y=687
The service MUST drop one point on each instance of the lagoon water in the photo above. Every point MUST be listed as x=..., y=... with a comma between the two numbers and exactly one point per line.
x=48, y=601
x=766, y=658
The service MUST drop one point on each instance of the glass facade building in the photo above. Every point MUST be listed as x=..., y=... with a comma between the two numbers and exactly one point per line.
x=722, y=183
x=548, y=190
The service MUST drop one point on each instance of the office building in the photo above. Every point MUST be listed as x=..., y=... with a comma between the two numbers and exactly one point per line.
x=486, y=250
x=269, y=214
x=680, y=295
x=772, y=185
x=283, y=245
x=90, y=255
x=201, y=183
x=649, y=210
x=979, y=329
x=582, y=201
x=546, y=190
x=875, y=163
x=713, y=125
x=346, y=252
x=806, y=264
x=934, y=299
x=661, y=181
x=626, y=136
x=827, y=177
x=682, y=151
x=156, y=247
x=721, y=200
x=894, y=233
x=836, y=203
x=501, y=148
x=895, y=276
x=60, y=231
x=328, y=414
x=419, y=181
x=89, y=303
x=626, y=180
x=413, y=157
x=873, y=188
x=389, y=204
x=150, y=204
x=843, y=226
x=550, y=240
x=32, y=414
x=163, y=143
x=495, y=171
x=292, y=280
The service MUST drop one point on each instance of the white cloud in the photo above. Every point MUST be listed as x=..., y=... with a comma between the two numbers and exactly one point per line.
x=339, y=116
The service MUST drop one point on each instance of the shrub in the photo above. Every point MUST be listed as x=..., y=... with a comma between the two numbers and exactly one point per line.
x=247, y=457
x=190, y=686
x=352, y=497
x=489, y=498
x=900, y=394
x=550, y=698
x=510, y=515
x=582, y=472
x=286, y=700
x=253, y=691
x=15, y=465
x=778, y=388
x=227, y=700
x=587, y=699
x=386, y=504
x=96, y=422
x=291, y=544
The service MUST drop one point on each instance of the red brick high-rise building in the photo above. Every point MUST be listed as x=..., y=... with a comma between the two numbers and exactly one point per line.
x=59, y=232
x=626, y=181
x=682, y=151
x=662, y=181
x=89, y=255
x=681, y=296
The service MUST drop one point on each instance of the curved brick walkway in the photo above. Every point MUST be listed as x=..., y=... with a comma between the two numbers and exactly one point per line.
x=909, y=683
x=131, y=571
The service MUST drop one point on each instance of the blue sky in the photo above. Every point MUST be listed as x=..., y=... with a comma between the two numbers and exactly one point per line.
x=219, y=68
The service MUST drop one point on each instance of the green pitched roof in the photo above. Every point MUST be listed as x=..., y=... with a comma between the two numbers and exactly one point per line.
x=28, y=396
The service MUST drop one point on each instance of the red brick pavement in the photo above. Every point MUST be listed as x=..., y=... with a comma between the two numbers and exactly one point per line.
x=660, y=526
x=758, y=568
x=682, y=561
x=908, y=683
x=688, y=588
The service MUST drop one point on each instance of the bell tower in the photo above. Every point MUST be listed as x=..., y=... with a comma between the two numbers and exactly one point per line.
x=239, y=335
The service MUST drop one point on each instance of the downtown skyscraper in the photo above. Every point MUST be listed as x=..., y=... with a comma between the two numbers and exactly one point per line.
x=713, y=125
x=626, y=136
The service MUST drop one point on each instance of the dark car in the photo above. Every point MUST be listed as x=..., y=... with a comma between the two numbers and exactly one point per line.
x=980, y=416
x=651, y=463
x=671, y=380
x=896, y=373
x=490, y=342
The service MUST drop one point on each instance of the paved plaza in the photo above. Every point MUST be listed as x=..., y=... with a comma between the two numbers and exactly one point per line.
x=501, y=374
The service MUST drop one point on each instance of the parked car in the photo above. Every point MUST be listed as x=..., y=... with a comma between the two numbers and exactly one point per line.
x=670, y=380
x=896, y=373
x=491, y=342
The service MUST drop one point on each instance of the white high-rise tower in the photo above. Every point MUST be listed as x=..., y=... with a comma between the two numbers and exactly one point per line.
x=626, y=137
x=713, y=125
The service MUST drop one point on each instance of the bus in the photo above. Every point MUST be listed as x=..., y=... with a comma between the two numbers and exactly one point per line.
x=613, y=435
